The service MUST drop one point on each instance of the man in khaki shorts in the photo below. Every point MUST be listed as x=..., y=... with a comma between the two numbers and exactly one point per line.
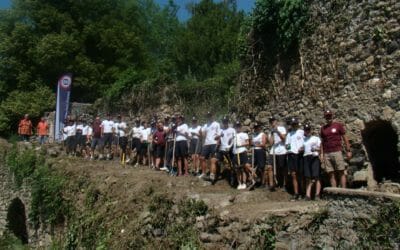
x=332, y=134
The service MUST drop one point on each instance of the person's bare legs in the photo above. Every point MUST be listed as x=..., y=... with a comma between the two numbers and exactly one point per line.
x=295, y=183
x=186, y=165
x=332, y=178
x=309, y=187
x=342, y=178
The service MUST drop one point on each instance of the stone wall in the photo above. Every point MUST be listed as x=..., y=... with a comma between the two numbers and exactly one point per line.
x=9, y=192
x=350, y=63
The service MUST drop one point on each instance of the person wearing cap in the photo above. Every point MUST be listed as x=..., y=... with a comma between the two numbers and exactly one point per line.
x=225, y=141
x=211, y=130
x=25, y=128
x=195, y=144
x=136, y=134
x=312, y=163
x=277, y=138
x=96, y=136
x=332, y=134
x=42, y=130
x=259, y=143
x=181, y=147
x=240, y=158
x=107, y=131
x=294, y=145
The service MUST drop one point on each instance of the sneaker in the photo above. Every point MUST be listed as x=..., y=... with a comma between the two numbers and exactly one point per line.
x=91, y=158
x=201, y=176
x=164, y=168
x=136, y=165
x=244, y=186
x=307, y=198
x=239, y=187
x=294, y=197
x=127, y=160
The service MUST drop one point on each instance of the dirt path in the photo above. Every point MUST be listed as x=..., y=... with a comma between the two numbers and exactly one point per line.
x=110, y=176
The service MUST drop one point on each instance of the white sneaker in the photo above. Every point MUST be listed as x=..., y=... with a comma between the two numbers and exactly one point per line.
x=127, y=160
x=239, y=187
x=201, y=176
x=164, y=168
x=136, y=165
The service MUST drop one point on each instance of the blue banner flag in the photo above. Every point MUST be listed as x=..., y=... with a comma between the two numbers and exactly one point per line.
x=63, y=94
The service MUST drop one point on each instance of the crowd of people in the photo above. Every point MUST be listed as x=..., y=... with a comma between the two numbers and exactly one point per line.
x=288, y=155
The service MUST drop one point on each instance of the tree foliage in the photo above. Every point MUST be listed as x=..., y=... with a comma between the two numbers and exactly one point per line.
x=277, y=27
x=110, y=47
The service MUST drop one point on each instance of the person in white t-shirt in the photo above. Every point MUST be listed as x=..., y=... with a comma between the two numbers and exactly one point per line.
x=259, y=142
x=145, y=133
x=294, y=145
x=181, y=147
x=195, y=144
x=240, y=158
x=224, y=153
x=121, y=132
x=277, y=154
x=210, y=132
x=107, y=130
x=79, y=139
x=86, y=135
x=312, y=163
x=70, y=131
x=136, y=134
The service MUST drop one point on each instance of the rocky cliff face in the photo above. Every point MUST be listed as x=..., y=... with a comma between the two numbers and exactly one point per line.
x=349, y=63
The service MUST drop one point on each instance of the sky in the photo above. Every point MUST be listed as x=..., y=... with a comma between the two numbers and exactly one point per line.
x=183, y=15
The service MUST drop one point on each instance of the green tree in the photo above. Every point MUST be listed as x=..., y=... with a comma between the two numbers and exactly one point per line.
x=209, y=38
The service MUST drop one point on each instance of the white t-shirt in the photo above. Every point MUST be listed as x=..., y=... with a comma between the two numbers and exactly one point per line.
x=70, y=130
x=239, y=142
x=227, y=138
x=312, y=145
x=278, y=148
x=121, y=129
x=257, y=140
x=182, y=130
x=211, y=132
x=115, y=126
x=137, y=132
x=85, y=130
x=194, y=132
x=79, y=127
x=296, y=140
x=107, y=126
x=145, y=132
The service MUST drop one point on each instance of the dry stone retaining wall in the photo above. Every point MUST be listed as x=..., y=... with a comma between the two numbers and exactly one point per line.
x=350, y=63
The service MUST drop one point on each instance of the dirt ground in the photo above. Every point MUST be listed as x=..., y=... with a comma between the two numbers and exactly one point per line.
x=126, y=184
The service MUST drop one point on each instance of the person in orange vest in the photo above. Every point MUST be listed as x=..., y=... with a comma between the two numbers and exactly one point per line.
x=25, y=128
x=42, y=130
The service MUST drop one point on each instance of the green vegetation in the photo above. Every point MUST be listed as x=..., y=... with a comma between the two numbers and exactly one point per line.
x=277, y=26
x=10, y=242
x=48, y=205
x=382, y=231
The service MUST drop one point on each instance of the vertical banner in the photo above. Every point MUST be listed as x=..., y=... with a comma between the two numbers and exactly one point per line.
x=63, y=94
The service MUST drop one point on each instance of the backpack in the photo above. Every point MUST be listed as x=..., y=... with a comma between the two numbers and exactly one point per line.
x=159, y=137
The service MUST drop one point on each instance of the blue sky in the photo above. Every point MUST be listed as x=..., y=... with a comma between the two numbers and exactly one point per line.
x=245, y=5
